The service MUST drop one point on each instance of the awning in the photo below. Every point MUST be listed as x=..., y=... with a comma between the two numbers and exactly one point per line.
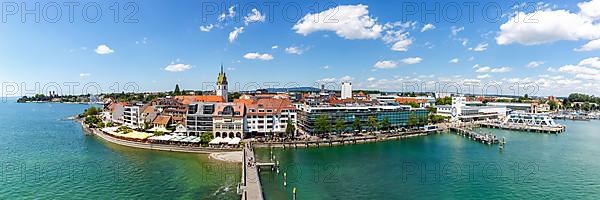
x=226, y=140
x=235, y=141
x=217, y=140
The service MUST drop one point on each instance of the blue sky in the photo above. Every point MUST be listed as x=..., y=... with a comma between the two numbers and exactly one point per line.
x=553, y=45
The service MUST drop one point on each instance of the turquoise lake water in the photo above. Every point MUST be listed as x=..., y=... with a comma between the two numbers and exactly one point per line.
x=45, y=156
x=446, y=166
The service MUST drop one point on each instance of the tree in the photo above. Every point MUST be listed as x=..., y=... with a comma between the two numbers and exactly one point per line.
x=385, y=124
x=373, y=123
x=412, y=104
x=553, y=105
x=92, y=111
x=177, y=91
x=206, y=137
x=290, y=129
x=340, y=125
x=356, y=125
x=158, y=133
x=422, y=120
x=322, y=124
x=412, y=119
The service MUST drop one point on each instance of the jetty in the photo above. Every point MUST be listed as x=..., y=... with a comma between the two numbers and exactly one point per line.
x=524, y=127
x=479, y=137
x=251, y=187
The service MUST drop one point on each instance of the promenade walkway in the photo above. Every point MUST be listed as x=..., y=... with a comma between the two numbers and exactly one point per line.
x=151, y=146
x=251, y=185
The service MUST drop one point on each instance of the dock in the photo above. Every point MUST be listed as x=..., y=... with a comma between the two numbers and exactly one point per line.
x=250, y=186
x=479, y=137
x=523, y=127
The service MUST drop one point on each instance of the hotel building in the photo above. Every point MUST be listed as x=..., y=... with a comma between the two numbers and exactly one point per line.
x=229, y=120
x=346, y=90
x=268, y=113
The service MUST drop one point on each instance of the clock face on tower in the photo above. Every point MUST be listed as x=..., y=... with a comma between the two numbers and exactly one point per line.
x=454, y=112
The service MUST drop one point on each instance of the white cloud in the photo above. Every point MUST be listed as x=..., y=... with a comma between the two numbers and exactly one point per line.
x=346, y=78
x=85, y=75
x=230, y=14
x=230, y=68
x=484, y=76
x=412, y=60
x=371, y=79
x=274, y=47
x=294, y=50
x=427, y=27
x=326, y=80
x=493, y=70
x=235, y=33
x=546, y=26
x=590, y=46
x=455, y=60
x=479, y=47
x=455, y=30
x=398, y=38
x=385, y=64
x=177, y=67
x=103, y=50
x=255, y=56
x=347, y=21
x=590, y=9
x=586, y=69
x=206, y=28
x=534, y=64
x=326, y=67
x=254, y=16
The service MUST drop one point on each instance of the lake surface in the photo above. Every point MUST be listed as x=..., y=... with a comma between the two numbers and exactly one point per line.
x=445, y=166
x=45, y=156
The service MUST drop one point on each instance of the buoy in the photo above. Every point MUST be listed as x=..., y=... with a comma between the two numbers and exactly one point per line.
x=284, y=179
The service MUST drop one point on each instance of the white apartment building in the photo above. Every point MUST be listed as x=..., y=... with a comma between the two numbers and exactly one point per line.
x=346, y=90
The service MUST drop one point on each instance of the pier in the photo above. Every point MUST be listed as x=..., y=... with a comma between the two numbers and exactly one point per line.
x=251, y=187
x=483, y=138
x=523, y=127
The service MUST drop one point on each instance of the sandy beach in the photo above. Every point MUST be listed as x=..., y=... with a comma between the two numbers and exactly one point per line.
x=235, y=156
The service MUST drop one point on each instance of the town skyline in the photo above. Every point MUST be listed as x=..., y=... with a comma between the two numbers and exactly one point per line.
x=185, y=44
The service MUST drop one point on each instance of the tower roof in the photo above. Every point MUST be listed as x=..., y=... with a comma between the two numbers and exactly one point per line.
x=222, y=78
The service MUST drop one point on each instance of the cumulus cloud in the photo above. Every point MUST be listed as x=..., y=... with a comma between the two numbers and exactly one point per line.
x=347, y=21
x=258, y=56
x=484, y=76
x=546, y=26
x=274, y=47
x=385, y=64
x=230, y=14
x=332, y=79
x=177, y=67
x=254, y=16
x=85, y=75
x=590, y=46
x=427, y=27
x=493, y=70
x=371, y=79
x=534, y=64
x=455, y=30
x=479, y=47
x=206, y=28
x=588, y=68
x=412, y=60
x=455, y=60
x=233, y=35
x=103, y=49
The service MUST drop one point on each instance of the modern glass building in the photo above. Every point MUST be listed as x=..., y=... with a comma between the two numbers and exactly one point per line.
x=398, y=116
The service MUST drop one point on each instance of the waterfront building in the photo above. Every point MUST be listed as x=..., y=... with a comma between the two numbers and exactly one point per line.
x=222, y=90
x=268, y=114
x=398, y=116
x=161, y=123
x=117, y=112
x=462, y=110
x=523, y=107
x=199, y=118
x=132, y=116
x=422, y=101
x=229, y=120
x=346, y=90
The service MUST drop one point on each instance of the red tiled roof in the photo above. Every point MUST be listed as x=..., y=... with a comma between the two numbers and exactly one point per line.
x=162, y=120
x=203, y=98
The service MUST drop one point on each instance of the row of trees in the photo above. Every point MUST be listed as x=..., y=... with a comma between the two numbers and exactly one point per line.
x=323, y=125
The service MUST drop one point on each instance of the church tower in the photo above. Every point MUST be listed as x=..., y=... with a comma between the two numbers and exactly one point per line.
x=222, y=85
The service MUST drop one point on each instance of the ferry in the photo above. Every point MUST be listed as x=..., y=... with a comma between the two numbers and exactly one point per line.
x=531, y=120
